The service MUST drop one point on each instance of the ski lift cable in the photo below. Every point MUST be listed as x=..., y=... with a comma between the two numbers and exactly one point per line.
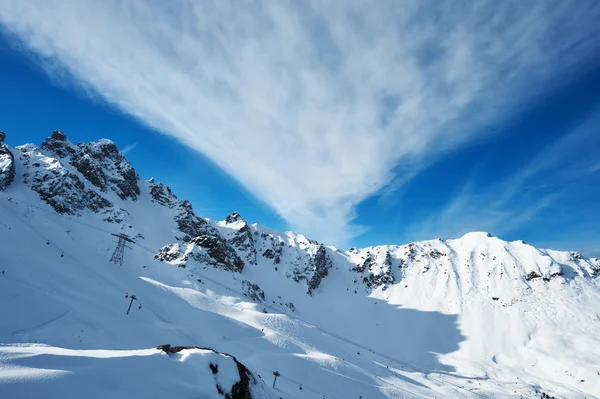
x=275, y=307
x=272, y=307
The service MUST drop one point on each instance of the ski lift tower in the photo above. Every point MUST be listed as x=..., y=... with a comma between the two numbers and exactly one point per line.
x=119, y=254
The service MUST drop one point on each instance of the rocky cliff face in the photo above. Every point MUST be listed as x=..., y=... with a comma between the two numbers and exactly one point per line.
x=162, y=195
x=99, y=162
x=7, y=164
x=242, y=238
x=50, y=172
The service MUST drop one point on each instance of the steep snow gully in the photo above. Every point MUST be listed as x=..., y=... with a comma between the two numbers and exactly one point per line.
x=469, y=317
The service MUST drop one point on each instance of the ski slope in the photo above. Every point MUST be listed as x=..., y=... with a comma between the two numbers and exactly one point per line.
x=465, y=318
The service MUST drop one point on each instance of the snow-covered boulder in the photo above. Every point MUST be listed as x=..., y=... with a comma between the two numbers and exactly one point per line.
x=162, y=372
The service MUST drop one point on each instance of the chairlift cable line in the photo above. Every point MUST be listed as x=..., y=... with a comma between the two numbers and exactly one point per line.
x=270, y=306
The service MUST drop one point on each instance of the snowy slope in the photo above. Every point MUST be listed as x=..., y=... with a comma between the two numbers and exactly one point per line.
x=471, y=317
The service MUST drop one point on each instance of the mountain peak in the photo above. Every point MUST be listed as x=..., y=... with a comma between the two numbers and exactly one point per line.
x=59, y=144
x=476, y=235
x=234, y=217
x=58, y=135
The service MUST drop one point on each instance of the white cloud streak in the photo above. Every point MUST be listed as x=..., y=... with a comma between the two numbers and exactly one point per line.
x=311, y=105
x=508, y=205
x=128, y=148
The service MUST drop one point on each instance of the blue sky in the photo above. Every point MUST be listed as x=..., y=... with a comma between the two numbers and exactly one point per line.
x=355, y=125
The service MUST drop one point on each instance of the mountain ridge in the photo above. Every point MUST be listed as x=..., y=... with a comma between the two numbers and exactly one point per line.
x=473, y=276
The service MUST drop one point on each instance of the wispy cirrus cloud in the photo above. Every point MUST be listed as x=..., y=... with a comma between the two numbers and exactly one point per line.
x=552, y=175
x=128, y=148
x=312, y=105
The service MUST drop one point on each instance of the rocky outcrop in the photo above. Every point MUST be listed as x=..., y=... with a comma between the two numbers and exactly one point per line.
x=212, y=250
x=62, y=189
x=7, y=164
x=320, y=265
x=162, y=194
x=378, y=274
x=242, y=389
x=171, y=253
x=275, y=250
x=59, y=145
x=99, y=162
x=218, y=251
x=191, y=224
x=105, y=167
x=253, y=291
x=242, y=239
x=234, y=217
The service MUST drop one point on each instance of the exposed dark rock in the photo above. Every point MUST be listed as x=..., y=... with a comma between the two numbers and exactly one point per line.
x=275, y=252
x=209, y=249
x=7, y=164
x=552, y=275
x=434, y=254
x=320, y=265
x=104, y=166
x=269, y=254
x=61, y=189
x=218, y=249
x=242, y=240
x=95, y=202
x=163, y=195
x=59, y=145
x=532, y=275
x=239, y=390
x=92, y=172
x=169, y=253
x=253, y=291
x=365, y=265
x=378, y=277
x=100, y=162
x=191, y=224
x=234, y=217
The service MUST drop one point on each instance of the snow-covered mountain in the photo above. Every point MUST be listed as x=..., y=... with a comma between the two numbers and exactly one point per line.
x=470, y=317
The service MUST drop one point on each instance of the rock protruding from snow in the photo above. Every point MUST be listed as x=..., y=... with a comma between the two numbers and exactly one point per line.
x=376, y=270
x=59, y=145
x=253, y=291
x=217, y=250
x=61, y=188
x=234, y=217
x=191, y=224
x=316, y=269
x=320, y=267
x=99, y=162
x=105, y=167
x=241, y=239
x=7, y=164
x=163, y=195
x=221, y=365
x=207, y=249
